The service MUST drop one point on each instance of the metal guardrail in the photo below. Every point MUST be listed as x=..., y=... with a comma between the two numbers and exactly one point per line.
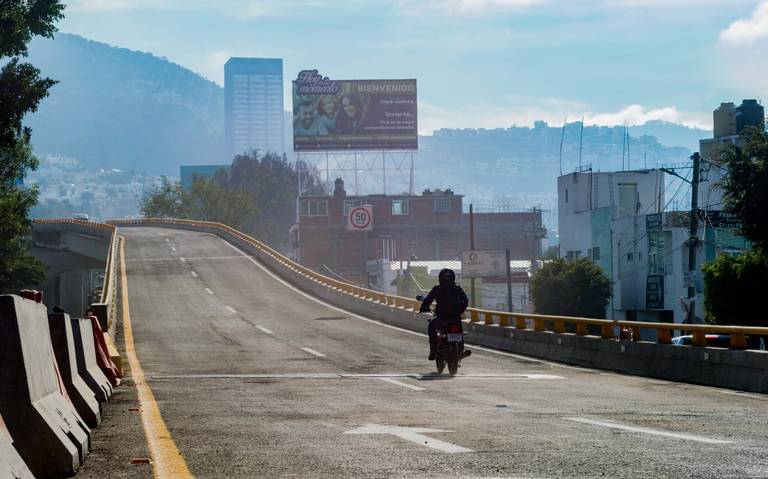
x=109, y=288
x=540, y=322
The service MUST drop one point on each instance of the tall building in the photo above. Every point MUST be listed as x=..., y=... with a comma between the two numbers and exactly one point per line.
x=253, y=105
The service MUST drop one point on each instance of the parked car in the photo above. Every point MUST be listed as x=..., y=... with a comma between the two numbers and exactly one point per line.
x=82, y=216
x=720, y=341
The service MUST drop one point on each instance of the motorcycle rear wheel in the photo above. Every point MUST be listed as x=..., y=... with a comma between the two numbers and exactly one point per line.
x=440, y=364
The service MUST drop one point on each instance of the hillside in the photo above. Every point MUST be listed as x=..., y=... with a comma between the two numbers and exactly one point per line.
x=124, y=109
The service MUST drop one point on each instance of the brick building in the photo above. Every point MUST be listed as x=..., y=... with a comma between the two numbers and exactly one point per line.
x=430, y=226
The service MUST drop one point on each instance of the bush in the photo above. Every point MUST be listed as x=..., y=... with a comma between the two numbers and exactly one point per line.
x=571, y=288
x=734, y=286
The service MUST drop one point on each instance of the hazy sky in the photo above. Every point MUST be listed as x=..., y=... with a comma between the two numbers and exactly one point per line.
x=479, y=63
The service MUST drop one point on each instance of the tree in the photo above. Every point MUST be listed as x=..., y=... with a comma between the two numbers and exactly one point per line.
x=734, y=287
x=206, y=200
x=163, y=201
x=745, y=186
x=21, y=90
x=570, y=288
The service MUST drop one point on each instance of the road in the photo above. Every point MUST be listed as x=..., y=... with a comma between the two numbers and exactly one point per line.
x=255, y=379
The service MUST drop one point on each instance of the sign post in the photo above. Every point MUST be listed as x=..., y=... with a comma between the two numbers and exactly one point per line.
x=489, y=264
x=360, y=218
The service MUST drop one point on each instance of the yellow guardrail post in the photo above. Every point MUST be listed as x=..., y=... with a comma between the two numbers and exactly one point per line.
x=474, y=316
x=503, y=320
x=488, y=318
x=538, y=324
x=635, y=333
x=520, y=322
x=699, y=338
x=606, y=331
x=665, y=336
x=559, y=326
x=738, y=341
x=581, y=329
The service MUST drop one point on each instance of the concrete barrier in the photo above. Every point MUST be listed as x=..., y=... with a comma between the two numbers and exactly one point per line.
x=82, y=397
x=47, y=432
x=85, y=352
x=102, y=353
x=11, y=464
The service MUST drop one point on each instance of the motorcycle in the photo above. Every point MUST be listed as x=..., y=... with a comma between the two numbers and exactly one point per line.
x=450, y=344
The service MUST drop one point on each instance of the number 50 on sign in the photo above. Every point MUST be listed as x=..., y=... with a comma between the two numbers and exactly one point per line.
x=360, y=218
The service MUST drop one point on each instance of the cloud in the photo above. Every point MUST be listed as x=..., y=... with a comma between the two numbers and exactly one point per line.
x=232, y=8
x=465, y=6
x=523, y=111
x=746, y=31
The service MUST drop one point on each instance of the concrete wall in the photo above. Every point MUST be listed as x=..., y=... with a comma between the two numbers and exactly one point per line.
x=744, y=370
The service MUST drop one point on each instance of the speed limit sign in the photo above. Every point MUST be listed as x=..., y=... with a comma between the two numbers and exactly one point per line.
x=360, y=218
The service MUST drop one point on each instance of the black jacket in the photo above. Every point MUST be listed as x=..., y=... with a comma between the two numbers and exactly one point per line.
x=451, y=301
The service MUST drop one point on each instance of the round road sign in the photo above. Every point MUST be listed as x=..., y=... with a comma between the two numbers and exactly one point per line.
x=360, y=218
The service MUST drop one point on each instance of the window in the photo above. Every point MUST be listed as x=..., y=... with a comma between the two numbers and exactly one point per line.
x=627, y=199
x=400, y=208
x=577, y=254
x=596, y=253
x=629, y=257
x=566, y=195
x=349, y=204
x=442, y=205
x=569, y=256
x=313, y=208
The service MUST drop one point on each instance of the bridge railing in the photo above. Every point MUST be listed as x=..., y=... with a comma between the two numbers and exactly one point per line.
x=107, y=231
x=523, y=321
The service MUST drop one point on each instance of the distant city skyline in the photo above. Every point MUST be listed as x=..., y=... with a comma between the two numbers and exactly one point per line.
x=479, y=63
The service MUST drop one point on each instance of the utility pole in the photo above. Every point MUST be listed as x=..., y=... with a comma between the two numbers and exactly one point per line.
x=472, y=248
x=693, y=237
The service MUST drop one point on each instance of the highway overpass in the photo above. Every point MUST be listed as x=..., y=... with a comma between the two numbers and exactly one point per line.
x=237, y=373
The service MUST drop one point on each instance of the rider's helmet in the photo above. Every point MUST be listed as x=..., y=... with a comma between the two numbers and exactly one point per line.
x=446, y=276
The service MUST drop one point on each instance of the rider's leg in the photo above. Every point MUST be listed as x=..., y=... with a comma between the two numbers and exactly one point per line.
x=432, y=332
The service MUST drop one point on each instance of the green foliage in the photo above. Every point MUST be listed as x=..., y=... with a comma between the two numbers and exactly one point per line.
x=745, y=186
x=206, y=200
x=163, y=201
x=734, y=286
x=570, y=288
x=21, y=90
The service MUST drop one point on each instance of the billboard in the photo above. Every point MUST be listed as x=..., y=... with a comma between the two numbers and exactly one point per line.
x=353, y=114
x=478, y=264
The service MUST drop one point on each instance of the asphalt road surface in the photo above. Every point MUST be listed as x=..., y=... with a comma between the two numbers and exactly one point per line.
x=255, y=379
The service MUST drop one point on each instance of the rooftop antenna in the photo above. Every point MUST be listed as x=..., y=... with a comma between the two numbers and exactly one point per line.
x=562, y=135
x=623, y=145
x=581, y=137
x=626, y=129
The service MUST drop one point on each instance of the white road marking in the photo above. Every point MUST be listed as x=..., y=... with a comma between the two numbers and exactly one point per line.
x=412, y=434
x=313, y=352
x=400, y=383
x=208, y=290
x=182, y=260
x=173, y=248
x=343, y=375
x=167, y=239
x=373, y=321
x=231, y=309
x=645, y=430
x=745, y=395
x=193, y=274
x=173, y=258
x=264, y=330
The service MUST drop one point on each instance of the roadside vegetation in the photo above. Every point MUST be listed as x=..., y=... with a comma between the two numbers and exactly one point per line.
x=735, y=284
x=570, y=288
x=21, y=89
x=256, y=195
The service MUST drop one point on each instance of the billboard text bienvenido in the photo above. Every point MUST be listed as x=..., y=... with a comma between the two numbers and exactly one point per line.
x=353, y=114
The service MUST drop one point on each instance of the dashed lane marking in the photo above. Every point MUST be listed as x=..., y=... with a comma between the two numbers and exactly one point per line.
x=400, y=383
x=264, y=330
x=173, y=258
x=231, y=309
x=313, y=352
x=193, y=274
x=645, y=430
x=173, y=248
x=384, y=325
x=208, y=290
x=167, y=461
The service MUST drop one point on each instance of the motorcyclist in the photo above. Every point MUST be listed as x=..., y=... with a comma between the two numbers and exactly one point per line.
x=451, y=302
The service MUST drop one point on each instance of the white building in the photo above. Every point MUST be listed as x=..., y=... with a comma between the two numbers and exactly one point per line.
x=253, y=105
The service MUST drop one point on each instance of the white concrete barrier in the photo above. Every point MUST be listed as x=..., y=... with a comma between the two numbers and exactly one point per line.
x=82, y=397
x=47, y=431
x=11, y=464
x=85, y=352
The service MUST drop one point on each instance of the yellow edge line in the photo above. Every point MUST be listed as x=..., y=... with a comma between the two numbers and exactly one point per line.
x=167, y=461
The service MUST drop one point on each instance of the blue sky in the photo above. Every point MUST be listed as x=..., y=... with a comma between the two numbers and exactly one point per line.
x=479, y=63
